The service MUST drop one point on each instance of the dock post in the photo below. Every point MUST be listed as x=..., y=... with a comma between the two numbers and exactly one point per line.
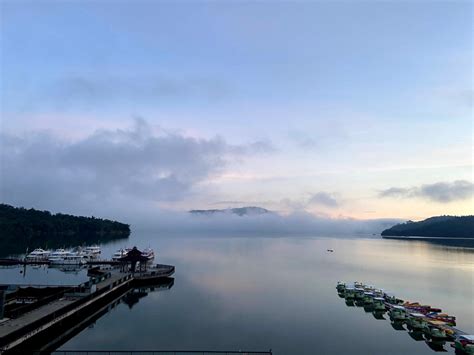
x=2, y=302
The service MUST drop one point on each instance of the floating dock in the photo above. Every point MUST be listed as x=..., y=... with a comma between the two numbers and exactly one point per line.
x=27, y=323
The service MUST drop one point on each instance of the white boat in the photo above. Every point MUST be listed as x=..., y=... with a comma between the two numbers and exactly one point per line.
x=93, y=250
x=120, y=253
x=38, y=255
x=465, y=343
x=148, y=253
x=58, y=253
x=69, y=258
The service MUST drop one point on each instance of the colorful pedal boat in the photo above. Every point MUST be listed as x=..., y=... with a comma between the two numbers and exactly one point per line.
x=451, y=320
x=398, y=312
x=465, y=343
x=438, y=329
x=379, y=304
x=417, y=320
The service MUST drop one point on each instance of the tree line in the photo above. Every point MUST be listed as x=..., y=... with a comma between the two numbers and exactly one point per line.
x=22, y=228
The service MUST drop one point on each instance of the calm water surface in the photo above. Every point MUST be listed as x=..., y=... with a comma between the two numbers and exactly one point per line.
x=278, y=293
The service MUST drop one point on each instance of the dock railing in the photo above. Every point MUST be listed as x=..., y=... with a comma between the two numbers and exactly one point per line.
x=152, y=352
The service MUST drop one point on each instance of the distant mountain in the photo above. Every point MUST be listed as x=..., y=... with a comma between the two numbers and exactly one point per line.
x=240, y=211
x=440, y=227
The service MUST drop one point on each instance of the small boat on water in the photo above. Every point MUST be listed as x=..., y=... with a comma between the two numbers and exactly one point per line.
x=359, y=293
x=392, y=299
x=417, y=320
x=148, y=253
x=439, y=329
x=57, y=254
x=464, y=343
x=69, y=258
x=415, y=306
x=341, y=286
x=450, y=320
x=379, y=303
x=368, y=297
x=398, y=312
x=92, y=250
x=120, y=253
x=349, y=293
x=38, y=255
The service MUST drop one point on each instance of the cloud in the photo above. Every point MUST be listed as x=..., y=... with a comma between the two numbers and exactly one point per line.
x=134, y=165
x=100, y=91
x=325, y=199
x=442, y=192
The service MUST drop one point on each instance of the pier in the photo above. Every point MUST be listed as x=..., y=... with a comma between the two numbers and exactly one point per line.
x=29, y=317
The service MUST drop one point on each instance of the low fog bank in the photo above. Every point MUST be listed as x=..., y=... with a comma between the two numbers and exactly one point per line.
x=267, y=225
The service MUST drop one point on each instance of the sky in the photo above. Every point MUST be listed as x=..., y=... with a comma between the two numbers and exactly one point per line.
x=334, y=109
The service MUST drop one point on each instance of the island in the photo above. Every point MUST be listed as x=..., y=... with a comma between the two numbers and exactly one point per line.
x=22, y=228
x=239, y=211
x=434, y=227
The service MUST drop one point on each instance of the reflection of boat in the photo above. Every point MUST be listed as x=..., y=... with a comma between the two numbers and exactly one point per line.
x=397, y=324
x=38, y=255
x=349, y=302
x=465, y=343
x=378, y=314
x=416, y=335
x=436, y=345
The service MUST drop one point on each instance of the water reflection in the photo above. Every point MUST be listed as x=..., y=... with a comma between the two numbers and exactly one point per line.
x=277, y=293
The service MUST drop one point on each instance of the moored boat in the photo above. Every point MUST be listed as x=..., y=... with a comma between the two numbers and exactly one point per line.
x=379, y=303
x=417, y=320
x=120, y=253
x=438, y=329
x=368, y=297
x=92, y=250
x=341, y=286
x=359, y=293
x=38, y=255
x=349, y=293
x=398, y=312
x=148, y=253
x=465, y=343
x=451, y=320
x=69, y=258
x=57, y=254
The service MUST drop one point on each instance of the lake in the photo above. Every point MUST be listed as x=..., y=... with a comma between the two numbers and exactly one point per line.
x=277, y=293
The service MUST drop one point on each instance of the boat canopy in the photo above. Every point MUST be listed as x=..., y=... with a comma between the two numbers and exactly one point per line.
x=399, y=307
x=467, y=337
x=417, y=315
